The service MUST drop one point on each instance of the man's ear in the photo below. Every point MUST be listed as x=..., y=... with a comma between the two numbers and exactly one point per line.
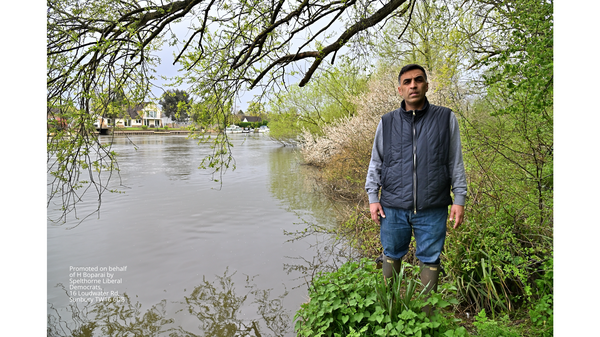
x=400, y=92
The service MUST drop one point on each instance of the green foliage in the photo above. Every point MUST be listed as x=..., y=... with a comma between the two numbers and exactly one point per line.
x=515, y=141
x=285, y=127
x=402, y=303
x=355, y=301
x=542, y=316
x=494, y=264
x=176, y=104
x=488, y=328
x=338, y=300
x=76, y=159
x=541, y=312
x=508, y=150
x=256, y=109
x=252, y=124
x=361, y=232
x=326, y=99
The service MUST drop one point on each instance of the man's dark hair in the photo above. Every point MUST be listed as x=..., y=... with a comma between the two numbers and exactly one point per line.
x=410, y=67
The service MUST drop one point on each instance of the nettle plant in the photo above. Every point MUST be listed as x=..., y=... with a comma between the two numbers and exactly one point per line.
x=356, y=301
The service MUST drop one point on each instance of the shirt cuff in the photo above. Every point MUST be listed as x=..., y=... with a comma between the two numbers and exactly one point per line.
x=460, y=199
x=373, y=198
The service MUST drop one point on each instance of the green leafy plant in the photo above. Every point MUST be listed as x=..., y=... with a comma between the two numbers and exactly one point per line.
x=356, y=301
x=490, y=328
x=338, y=301
x=399, y=294
x=542, y=310
x=400, y=314
x=495, y=263
x=542, y=316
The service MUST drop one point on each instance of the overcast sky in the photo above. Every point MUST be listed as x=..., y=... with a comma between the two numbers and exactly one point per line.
x=166, y=68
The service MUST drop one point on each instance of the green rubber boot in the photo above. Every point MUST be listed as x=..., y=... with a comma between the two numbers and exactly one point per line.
x=389, y=267
x=430, y=274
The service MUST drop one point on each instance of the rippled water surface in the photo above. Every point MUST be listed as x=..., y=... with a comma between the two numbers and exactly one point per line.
x=194, y=257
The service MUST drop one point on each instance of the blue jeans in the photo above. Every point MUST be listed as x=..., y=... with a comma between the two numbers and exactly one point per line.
x=429, y=228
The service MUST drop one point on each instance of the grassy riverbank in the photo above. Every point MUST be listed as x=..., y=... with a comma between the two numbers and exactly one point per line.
x=490, y=289
x=354, y=301
x=500, y=261
x=498, y=267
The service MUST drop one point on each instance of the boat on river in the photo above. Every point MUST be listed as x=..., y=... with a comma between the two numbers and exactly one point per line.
x=233, y=129
x=263, y=129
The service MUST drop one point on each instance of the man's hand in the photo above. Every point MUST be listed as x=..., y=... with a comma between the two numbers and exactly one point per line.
x=457, y=213
x=376, y=210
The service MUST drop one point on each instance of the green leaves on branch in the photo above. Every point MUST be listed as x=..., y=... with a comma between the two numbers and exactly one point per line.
x=176, y=104
x=76, y=162
x=323, y=101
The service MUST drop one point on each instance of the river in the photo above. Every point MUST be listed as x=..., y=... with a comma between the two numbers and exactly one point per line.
x=178, y=254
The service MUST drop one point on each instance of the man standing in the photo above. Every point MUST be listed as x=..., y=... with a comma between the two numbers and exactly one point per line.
x=416, y=162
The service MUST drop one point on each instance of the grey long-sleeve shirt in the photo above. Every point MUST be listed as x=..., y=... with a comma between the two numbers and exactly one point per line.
x=456, y=169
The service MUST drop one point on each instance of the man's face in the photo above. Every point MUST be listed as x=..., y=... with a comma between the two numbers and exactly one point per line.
x=413, y=88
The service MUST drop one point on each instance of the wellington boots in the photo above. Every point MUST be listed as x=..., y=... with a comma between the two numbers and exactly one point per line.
x=430, y=274
x=390, y=266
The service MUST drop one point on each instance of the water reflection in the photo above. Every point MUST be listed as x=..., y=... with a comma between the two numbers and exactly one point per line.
x=219, y=309
x=216, y=307
x=294, y=184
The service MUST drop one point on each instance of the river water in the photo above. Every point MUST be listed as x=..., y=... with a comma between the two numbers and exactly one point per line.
x=178, y=254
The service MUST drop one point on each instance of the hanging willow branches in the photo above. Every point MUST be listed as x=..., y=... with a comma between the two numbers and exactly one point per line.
x=101, y=57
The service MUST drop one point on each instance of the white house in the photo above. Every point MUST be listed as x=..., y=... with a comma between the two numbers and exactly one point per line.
x=147, y=113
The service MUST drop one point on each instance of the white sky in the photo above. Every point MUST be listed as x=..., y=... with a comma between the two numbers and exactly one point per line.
x=166, y=68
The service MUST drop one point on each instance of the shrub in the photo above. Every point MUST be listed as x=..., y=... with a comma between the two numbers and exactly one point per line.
x=495, y=265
